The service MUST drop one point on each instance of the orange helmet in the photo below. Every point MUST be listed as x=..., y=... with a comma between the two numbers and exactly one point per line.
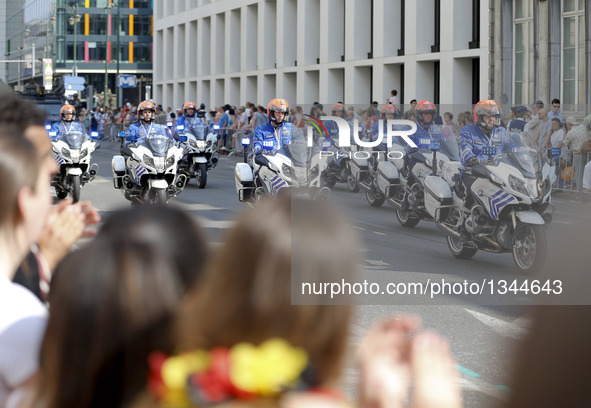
x=337, y=107
x=424, y=106
x=277, y=105
x=487, y=107
x=388, y=109
x=187, y=106
x=146, y=105
x=67, y=109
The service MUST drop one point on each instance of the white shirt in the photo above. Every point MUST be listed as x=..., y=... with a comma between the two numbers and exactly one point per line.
x=22, y=326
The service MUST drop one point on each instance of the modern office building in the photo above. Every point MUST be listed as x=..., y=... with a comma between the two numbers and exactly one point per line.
x=87, y=37
x=354, y=51
x=449, y=51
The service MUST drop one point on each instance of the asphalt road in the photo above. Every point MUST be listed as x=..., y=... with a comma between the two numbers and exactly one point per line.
x=483, y=338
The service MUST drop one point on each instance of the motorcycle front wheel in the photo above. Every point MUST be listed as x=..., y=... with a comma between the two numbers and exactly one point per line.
x=327, y=181
x=459, y=249
x=161, y=196
x=201, y=174
x=529, y=247
x=76, y=188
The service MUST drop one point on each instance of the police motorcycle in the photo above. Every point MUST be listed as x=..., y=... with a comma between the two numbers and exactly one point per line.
x=72, y=152
x=199, y=152
x=294, y=167
x=146, y=172
x=511, y=198
x=432, y=154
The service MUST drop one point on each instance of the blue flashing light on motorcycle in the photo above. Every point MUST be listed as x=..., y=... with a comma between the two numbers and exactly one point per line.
x=326, y=144
x=216, y=127
x=94, y=135
x=169, y=124
x=245, y=141
x=47, y=126
x=183, y=138
x=180, y=127
x=121, y=134
x=53, y=135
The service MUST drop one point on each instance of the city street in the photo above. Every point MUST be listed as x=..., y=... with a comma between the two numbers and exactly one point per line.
x=482, y=338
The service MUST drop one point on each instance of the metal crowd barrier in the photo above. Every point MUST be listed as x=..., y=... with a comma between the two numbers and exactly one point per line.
x=570, y=171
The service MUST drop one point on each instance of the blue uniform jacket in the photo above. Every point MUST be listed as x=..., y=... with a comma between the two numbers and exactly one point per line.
x=62, y=128
x=473, y=139
x=139, y=131
x=280, y=136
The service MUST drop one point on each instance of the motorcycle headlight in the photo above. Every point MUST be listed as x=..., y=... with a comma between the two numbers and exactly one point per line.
x=288, y=171
x=159, y=163
x=313, y=173
x=169, y=162
x=66, y=153
x=208, y=143
x=84, y=153
x=200, y=144
x=544, y=187
x=149, y=161
x=518, y=185
x=193, y=143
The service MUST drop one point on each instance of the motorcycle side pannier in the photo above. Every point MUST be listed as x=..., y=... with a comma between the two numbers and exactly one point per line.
x=244, y=181
x=388, y=178
x=438, y=197
x=359, y=167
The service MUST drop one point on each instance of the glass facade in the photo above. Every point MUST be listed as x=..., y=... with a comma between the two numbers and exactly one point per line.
x=523, y=55
x=131, y=19
x=573, y=52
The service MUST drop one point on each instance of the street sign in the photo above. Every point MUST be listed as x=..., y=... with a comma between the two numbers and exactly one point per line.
x=127, y=81
x=74, y=80
x=70, y=87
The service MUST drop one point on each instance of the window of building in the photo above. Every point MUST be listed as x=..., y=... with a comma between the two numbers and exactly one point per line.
x=523, y=52
x=573, y=53
x=142, y=25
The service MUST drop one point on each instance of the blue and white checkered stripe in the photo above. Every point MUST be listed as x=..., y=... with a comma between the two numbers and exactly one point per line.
x=498, y=201
x=139, y=171
x=277, y=183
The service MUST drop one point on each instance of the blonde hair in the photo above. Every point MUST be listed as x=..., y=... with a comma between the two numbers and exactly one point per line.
x=247, y=294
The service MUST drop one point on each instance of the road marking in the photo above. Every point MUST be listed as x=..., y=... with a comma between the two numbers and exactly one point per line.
x=359, y=228
x=506, y=329
x=198, y=206
x=378, y=233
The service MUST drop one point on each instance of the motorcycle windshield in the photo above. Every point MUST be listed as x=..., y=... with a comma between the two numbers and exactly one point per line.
x=523, y=154
x=298, y=151
x=451, y=148
x=74, y=139
x=199, y=132
x=158, y=144
x=435, y=134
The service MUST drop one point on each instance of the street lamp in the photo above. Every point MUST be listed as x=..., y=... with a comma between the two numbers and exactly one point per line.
x=108, y=11
x=74, y=20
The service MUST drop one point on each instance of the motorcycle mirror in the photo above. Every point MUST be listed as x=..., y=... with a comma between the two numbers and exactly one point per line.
x=182, y=138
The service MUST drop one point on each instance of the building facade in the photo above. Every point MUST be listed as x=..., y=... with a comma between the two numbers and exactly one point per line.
x=354, y=51
x=542, y=51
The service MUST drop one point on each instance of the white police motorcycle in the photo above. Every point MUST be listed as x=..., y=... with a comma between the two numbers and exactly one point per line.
x=72, y=152
x=200, y=154
x=146, y=172
x=510, y=204
x=294, y=167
